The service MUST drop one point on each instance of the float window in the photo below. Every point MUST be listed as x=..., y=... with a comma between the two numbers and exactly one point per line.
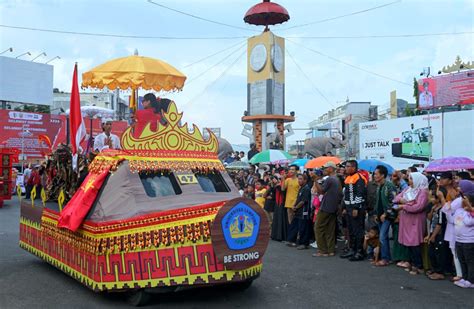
x=212, y=182
x=158, y=184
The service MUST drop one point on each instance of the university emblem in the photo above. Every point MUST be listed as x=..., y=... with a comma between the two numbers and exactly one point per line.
x=240, y=227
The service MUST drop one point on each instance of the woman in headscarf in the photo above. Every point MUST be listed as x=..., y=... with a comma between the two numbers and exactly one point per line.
x=411, y=203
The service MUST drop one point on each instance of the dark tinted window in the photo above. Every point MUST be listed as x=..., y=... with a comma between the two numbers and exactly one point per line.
x=159, y=184
x=212, y=182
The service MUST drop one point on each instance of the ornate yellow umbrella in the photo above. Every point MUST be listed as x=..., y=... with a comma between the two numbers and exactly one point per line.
x=134, y=72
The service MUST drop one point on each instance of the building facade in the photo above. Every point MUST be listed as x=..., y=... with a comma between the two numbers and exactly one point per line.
x=343, y=122
x=109, y=100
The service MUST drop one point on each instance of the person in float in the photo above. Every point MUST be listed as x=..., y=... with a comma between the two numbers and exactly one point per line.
x=426, y=97
x=152, y=113
x=106, y=140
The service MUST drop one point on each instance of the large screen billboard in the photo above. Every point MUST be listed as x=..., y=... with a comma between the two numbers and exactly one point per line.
x=402, y=142
x=445, y=90
x=26, y=81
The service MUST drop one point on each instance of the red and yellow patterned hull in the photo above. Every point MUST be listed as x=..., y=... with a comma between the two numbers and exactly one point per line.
x=172, y=248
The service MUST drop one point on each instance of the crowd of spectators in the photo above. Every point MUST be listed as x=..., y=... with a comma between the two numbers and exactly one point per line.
x=420, y=222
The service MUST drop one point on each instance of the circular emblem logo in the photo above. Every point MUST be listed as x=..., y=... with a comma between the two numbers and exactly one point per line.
x=240, y=233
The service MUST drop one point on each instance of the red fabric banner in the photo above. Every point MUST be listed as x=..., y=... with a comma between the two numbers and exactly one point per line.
x=76, y=210
x=78, y=130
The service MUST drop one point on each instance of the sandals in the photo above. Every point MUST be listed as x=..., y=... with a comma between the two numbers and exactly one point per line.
x=436, y=276
x=416, y=271
x=319, y=254
x=381, y=263
x=403, y=264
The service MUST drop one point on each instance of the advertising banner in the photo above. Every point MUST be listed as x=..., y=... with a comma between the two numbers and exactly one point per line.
x=23, y=129
x=402, y=142
x=445, y=90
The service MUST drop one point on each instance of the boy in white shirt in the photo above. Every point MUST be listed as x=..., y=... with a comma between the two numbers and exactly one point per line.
x=106, y=140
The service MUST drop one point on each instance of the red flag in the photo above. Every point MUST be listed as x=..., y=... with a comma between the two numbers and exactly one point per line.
x=45, y=139
x=76, y=122
x=82, y=201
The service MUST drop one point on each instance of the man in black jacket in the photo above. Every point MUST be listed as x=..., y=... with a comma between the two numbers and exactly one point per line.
x=355, y=194
x=253, y=151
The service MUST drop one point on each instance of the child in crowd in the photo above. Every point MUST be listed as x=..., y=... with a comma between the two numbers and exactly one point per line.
x=260, y=193
x=300, y=228
x=249, y=192
x=439, y=252
x=372, y=244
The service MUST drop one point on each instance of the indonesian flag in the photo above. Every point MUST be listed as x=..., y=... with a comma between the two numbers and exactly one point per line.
x=76, y=122
x=77, y=208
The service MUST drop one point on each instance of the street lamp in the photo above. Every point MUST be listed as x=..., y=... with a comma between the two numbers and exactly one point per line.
x=42, y=54
x=57, y=57
x=7, y=50
x=27, y=53
x=24, y=133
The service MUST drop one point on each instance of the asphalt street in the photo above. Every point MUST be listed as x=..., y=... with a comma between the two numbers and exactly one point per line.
x=290, y=279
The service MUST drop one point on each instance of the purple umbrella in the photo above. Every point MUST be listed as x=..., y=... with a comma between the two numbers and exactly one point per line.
x=450, y=164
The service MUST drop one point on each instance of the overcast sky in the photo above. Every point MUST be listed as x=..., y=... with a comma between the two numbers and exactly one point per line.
x=218, y=97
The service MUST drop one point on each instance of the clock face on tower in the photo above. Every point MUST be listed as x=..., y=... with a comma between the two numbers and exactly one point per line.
x=277, y=58
x=258, y=57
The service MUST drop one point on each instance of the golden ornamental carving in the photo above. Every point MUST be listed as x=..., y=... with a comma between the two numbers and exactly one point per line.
x=458, y=66
x=171, y=136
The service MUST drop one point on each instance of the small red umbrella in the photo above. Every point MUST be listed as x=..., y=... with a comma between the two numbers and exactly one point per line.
x=266, y=13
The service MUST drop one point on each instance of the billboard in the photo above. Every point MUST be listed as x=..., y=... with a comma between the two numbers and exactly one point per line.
x=26, y=81
x=22, y=129
x=445, y=90
x=402, y=142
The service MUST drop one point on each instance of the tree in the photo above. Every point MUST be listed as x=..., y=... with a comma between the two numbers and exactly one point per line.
x=416, y=94
x=409, y=112
x=28, y=108
x=43, y=109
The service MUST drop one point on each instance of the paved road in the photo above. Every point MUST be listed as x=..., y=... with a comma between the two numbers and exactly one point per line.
x=291, y=279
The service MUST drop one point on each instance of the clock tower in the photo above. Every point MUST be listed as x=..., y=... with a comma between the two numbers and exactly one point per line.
x=266, y=80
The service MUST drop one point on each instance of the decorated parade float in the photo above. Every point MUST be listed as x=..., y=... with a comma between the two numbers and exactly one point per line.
x=157, y=215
